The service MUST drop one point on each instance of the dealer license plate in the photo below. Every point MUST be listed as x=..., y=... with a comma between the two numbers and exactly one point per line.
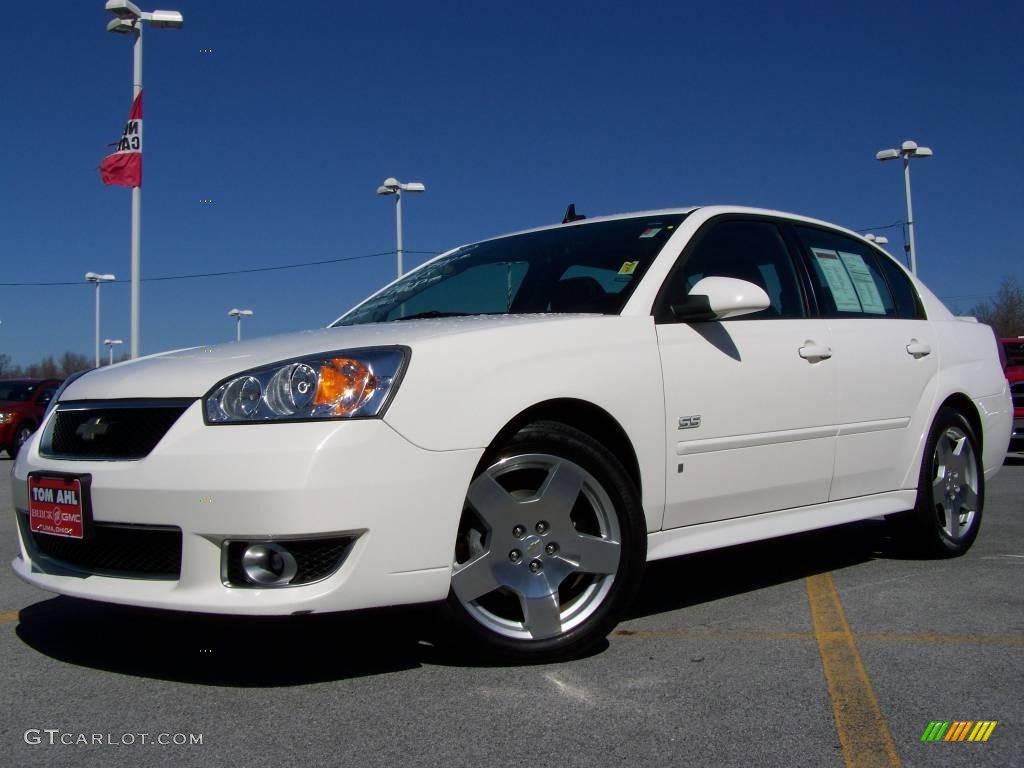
x=56, y=506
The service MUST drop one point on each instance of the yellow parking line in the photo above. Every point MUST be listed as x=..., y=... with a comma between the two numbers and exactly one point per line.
x=863, y=734
x=8, y=616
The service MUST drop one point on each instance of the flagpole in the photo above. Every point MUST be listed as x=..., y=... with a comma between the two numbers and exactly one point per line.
x=136, y=209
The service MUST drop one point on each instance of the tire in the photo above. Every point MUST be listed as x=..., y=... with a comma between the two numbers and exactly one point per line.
x=950, y=491
x=20, y=437
x=550, y=550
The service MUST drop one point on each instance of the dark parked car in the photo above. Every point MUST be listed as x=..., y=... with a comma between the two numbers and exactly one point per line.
x=22, y=405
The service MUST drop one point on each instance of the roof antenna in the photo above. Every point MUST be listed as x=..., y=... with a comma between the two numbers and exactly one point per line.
x=571, y=215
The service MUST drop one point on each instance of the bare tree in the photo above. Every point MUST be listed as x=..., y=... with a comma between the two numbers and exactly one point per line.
x=1004, y=311
x=72, y=362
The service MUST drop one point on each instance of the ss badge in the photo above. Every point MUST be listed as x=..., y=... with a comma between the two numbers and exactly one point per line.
x=689, y=422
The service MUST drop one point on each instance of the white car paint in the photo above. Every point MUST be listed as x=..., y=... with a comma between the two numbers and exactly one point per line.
x=786, y=442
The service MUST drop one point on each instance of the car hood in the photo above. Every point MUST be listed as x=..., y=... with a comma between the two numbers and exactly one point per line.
x=10, y=405
x=194, y=371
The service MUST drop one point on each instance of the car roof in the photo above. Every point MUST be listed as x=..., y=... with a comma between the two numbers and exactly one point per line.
x=711, y=210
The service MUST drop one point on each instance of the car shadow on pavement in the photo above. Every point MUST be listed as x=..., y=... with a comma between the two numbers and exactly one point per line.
x=679, y=582
x=245, y=651
x=237, y=651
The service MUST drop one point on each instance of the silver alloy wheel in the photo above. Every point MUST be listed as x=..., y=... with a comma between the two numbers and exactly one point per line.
x=554, y=547
x=955, y=483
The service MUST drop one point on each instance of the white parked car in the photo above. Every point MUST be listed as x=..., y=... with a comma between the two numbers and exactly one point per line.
x=516, y=427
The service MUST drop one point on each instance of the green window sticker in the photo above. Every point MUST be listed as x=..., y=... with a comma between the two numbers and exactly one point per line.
x=838, y=279
x=863, y=283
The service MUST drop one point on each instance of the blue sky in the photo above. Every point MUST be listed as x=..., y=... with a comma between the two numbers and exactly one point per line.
x=507, y=112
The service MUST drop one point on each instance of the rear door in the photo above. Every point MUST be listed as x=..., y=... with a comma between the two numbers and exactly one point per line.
x=750, y=401
x=886, y=355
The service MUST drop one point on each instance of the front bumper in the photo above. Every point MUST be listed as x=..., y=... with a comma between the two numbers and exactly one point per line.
x=261, y=481
x=1017, y=436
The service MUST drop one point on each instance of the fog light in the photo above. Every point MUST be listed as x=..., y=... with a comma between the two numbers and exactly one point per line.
x=269, y=564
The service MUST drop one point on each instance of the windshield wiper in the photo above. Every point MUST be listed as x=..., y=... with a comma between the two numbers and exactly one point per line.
x=432, y=313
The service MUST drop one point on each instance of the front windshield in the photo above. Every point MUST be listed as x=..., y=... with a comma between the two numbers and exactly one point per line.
x=590, y=267
x=16, y=391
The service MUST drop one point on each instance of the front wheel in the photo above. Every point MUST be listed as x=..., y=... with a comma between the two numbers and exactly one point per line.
x=550, y=548
x=951, y=489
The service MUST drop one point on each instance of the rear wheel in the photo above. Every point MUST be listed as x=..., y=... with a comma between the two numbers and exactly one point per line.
x=550, y=548
x=951, y=489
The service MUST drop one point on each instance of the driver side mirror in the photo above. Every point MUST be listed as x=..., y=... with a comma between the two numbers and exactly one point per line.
x=719, y=298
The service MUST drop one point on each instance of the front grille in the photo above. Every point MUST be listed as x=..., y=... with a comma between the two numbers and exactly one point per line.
x=316, y=559
x=1017, y=390
x=109, y=429
x=115, y=550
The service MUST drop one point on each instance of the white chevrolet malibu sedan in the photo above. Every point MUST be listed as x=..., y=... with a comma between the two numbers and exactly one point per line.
x=516, y=427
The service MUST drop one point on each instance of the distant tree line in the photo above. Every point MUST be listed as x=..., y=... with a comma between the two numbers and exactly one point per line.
x=1004, y=311
x=47, y=368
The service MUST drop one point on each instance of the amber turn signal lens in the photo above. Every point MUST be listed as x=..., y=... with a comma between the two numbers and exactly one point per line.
x=345, y=384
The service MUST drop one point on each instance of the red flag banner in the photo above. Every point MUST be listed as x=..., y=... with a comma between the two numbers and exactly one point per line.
x=124, y=167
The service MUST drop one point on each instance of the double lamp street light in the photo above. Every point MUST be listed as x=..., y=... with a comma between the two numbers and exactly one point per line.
x=238, y=314
x=907, y=150
x=110, y=348
x=393, y=186
x=98, y=279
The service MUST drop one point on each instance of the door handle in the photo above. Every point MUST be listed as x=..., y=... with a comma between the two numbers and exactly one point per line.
x=918, y=349
x=811, y=351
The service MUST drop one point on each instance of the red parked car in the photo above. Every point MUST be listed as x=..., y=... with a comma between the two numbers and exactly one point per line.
x=22, y=405
x=1014, y=367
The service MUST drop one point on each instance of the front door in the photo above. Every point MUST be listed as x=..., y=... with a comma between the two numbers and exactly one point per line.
x=751, y=401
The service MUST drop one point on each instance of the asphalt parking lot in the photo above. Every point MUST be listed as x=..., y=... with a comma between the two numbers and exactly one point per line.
x=824, y=649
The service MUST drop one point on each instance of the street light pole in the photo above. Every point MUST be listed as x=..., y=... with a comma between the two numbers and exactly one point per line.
x=129, y=19
x=393, y=186
x=136, y=297
x=238, y=314
x=907, y=150
x=93, y=277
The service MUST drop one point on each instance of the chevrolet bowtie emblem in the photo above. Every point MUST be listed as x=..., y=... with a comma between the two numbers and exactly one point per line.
x=93, y=428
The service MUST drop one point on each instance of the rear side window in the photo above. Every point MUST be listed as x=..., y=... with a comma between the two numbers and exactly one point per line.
x=851, y=280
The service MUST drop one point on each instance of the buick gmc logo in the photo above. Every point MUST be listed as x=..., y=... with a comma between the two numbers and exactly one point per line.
x=93, y=428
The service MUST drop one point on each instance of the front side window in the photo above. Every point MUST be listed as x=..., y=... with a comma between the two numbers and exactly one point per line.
x=590, y=267
x=849, y=278
x=16, y=391
x=747, y=250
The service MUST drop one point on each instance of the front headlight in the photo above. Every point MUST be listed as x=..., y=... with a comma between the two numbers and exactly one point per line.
x=6, y=417
x=335, y=385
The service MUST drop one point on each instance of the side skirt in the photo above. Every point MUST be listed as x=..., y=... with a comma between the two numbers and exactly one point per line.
x=741, y=530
